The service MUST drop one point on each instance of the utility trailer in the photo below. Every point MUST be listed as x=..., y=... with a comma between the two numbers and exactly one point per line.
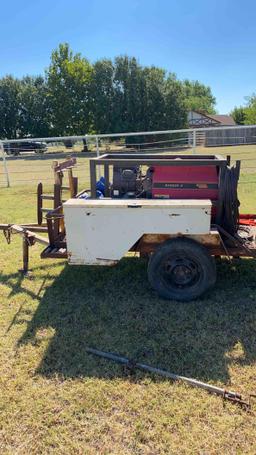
x=179, y=211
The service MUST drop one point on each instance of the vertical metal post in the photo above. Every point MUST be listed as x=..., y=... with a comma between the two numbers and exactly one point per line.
x=93, y=178
x=106, y=175
x=5, y=165
x=39, y=203
x=57, y=223
x=194, y=141
x=25, y=248
x=97, y=146
x=98, y=154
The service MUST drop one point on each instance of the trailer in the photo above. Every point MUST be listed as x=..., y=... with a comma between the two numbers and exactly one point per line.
x=178, y=211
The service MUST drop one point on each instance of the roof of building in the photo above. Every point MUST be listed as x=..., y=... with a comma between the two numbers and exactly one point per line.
x=206, y=119
x=226, y=120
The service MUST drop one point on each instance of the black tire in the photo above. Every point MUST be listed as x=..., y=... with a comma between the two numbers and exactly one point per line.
x=181, y=269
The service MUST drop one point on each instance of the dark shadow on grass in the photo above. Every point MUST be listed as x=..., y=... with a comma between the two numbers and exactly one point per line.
x=114, y=309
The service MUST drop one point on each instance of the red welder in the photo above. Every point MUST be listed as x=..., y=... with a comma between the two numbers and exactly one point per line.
x=181, y=177
x=185, y=182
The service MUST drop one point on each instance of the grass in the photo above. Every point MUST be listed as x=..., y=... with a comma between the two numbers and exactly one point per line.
x=54, y=398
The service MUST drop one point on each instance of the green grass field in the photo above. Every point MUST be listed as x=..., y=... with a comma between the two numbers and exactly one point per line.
x=56, y=399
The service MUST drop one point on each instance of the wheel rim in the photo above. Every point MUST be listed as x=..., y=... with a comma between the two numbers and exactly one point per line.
x=180, y=272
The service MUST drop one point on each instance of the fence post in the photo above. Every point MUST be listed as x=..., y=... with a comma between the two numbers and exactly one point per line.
x=194, y=141
x=98, y=154
x=97, y=146
x=5, y=165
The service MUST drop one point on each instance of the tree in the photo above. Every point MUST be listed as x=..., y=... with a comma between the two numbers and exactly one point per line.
x=250, y=110
x=175, y=106
x=34, y=111
x=198, y=97
x=154, y=81
x=9, y=107
x=102, y=96
x=75, y=97
x=239, y=115
x=69, y=78
x=145, y=98
x=127, y=94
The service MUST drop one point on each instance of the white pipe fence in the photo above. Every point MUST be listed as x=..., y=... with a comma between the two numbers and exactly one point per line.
x=135, y=133
x=171, y=141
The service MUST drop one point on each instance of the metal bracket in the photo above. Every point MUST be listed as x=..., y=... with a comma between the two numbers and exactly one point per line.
x=237, y=398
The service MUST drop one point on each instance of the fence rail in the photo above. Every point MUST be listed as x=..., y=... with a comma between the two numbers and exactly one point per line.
x=29, y=167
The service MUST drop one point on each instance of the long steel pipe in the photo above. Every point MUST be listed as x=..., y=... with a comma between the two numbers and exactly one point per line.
x=226, y=394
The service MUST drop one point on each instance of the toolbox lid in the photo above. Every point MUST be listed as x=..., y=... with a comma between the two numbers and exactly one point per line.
x=136, y=203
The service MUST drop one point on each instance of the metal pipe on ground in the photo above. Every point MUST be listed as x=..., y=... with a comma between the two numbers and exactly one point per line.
x=225, y=394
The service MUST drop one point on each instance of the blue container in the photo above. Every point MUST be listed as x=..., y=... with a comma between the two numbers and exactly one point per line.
x=100, y=185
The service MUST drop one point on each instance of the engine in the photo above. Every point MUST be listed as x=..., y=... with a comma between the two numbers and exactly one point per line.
x=131, y=183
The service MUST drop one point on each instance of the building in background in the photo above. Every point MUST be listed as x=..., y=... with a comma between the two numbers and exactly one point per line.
x=219, y=136
x=199, y=119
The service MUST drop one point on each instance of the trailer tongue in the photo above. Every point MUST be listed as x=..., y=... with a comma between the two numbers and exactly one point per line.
x=179, y=210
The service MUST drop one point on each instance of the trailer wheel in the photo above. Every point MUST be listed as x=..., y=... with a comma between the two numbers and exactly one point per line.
x=181, y=269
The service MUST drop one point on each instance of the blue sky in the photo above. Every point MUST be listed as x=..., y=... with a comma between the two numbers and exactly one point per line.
x=213, y=41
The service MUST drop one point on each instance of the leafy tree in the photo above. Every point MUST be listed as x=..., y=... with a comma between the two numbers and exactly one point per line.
x=68, y=78
x=127, y=94
x=76, y=97
x=250, y=110
x=102, y=96
x=34, y=111
x=154, y=98
x=175, y=106
x=198, y=97
x=9, y=107
x=239, y=115
x=24, y=110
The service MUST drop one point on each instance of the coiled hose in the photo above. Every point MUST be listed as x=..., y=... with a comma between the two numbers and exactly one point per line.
x=228, y=210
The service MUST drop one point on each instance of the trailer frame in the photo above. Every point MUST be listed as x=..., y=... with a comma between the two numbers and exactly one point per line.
x=50, y=221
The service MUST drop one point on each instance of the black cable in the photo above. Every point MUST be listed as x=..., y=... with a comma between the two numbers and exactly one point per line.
x=228, y=212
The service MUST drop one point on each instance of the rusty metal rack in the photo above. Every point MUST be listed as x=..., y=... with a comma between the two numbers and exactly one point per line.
x=129, y=159
x=50, y=221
